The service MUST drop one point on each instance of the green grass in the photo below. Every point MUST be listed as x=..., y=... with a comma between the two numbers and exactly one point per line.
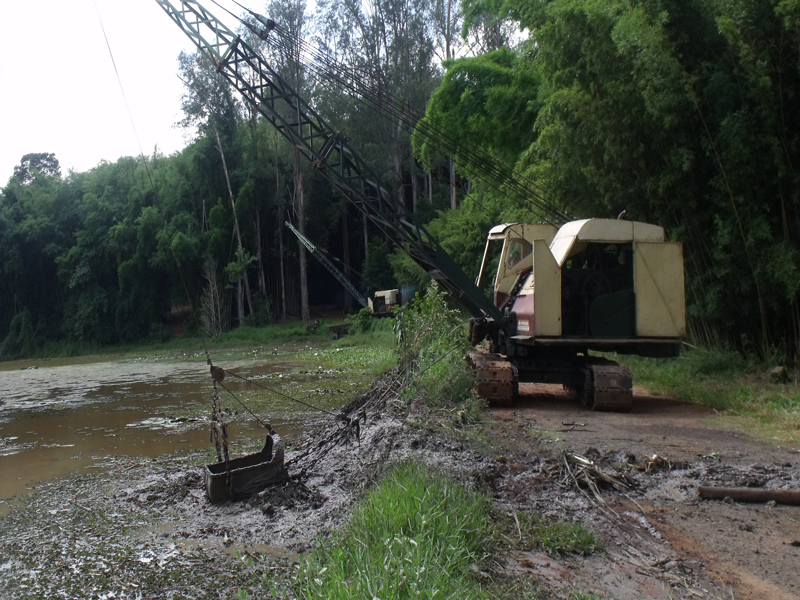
x=276, y=334
x=420, y=534
x=578, y=595
x=556, y=537
x=417, y=534
x=740, y=391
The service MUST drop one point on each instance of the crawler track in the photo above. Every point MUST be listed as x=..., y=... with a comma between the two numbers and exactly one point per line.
x=497, y=380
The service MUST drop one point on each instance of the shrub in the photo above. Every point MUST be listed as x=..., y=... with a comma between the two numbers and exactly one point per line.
x=431, y=344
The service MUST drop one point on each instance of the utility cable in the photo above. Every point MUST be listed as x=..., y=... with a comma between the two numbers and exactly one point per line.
x=482, y=165
x=334, y=73
x=124, y=97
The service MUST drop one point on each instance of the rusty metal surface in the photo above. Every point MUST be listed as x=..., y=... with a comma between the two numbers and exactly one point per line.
x=612, y=386
x=497, y=380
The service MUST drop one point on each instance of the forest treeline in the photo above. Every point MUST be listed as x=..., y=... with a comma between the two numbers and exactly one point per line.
x=683, y=113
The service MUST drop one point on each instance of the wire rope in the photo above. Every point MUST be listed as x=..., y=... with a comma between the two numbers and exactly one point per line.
x=338, y=79
x=124, y=97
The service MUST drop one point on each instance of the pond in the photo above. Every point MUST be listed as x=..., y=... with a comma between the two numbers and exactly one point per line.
x=65, y=417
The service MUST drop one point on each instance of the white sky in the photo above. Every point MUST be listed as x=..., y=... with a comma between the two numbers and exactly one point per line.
x=58, y=89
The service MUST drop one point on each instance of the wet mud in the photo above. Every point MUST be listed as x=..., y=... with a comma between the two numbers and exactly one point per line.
x=660, y=530
x=65, y=417
x=149, y=531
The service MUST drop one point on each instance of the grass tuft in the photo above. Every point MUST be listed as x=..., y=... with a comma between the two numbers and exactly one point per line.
x=531, y=531
x=417, y=534
x=431, y=344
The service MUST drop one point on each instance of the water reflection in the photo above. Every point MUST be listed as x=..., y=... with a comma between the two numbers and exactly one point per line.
x=64, y=418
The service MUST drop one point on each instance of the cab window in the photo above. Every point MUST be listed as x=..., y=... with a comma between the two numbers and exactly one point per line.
x=518, y=249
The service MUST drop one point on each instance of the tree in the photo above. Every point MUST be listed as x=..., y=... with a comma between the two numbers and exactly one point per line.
x=209, y=106
x=43, y=163
x=291, y=15
x=389, y=50
x=679, y=112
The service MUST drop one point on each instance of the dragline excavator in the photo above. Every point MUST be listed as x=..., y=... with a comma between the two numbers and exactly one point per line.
x=558, y=293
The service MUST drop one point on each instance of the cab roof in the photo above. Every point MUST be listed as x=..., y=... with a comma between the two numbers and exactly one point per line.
x=573, y=236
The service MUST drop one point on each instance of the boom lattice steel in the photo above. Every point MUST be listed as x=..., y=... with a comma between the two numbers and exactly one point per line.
x=325, y=148
x=329, y=265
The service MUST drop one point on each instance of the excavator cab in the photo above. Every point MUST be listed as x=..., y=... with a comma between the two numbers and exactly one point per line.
x=597, y=292
x=510, y=247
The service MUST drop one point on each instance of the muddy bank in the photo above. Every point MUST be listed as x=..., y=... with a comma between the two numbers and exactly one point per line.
x=149, y=531
x=65, y=418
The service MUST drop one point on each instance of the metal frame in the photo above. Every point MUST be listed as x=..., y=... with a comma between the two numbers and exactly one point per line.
x=326, y=149
x=329, y=265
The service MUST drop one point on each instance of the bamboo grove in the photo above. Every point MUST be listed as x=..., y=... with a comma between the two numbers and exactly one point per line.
x=682, y=113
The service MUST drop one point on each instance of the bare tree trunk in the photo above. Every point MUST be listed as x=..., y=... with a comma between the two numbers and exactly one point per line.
x=281, y=254
x=235, y=222
x=262, y=280
x=283, y=274
x=305, y=313
x=239, y=302
x=366, y=240
x=348, y=299
x=430, y=187
x=397, y=160
x=448, y=51
x=211, y=316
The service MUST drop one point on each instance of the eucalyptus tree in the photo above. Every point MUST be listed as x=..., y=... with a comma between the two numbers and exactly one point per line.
x=211, y=108
x=286, y=60
x=44, y=163
x=445, y=24
x=388, y=47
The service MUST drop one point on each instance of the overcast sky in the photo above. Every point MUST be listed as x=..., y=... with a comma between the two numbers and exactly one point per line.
x=58, y=89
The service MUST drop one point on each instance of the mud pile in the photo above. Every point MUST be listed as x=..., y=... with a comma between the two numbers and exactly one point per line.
x=328, y=471
x=150, y=531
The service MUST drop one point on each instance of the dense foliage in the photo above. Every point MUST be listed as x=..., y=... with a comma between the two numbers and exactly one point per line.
x=680, y=112
x=135, y=248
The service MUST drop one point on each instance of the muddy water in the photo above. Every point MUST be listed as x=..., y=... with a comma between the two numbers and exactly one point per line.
x=60, y=418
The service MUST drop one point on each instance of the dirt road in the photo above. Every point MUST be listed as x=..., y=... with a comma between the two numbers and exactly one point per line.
x=744, y=551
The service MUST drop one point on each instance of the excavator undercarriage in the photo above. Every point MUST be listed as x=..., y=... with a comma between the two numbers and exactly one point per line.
x=600, y=383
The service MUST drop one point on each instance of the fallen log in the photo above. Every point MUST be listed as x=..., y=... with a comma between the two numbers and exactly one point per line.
x=750, y=495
